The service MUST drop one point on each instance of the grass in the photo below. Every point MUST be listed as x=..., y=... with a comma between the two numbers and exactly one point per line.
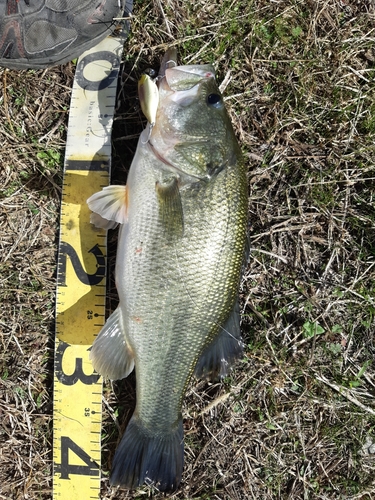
x=296, y=418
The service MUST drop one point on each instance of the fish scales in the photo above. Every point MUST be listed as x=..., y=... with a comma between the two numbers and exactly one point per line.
x=180, y=252
x=191, y=272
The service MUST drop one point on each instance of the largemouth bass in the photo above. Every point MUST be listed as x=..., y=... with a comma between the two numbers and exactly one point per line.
x=183, y=217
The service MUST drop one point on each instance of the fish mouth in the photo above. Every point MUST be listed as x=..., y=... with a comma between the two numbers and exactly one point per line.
x=179, y=86
x=174, y=78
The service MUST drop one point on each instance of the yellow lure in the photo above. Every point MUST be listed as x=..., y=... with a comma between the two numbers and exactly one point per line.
x=148, y=93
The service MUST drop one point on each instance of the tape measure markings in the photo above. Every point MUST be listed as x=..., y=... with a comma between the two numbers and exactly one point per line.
x=81, y=273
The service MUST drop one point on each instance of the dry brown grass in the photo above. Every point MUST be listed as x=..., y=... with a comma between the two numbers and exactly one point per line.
x=296, y=419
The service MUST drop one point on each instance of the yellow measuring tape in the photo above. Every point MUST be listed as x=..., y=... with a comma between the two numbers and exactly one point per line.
x=81, y=276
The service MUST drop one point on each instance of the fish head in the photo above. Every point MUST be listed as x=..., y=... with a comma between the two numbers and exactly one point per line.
x=192, y=130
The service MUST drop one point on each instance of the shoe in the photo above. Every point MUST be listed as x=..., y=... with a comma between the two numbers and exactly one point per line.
x=37, y=34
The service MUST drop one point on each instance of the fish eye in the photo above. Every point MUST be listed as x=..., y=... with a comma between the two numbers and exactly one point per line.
x=214, y=100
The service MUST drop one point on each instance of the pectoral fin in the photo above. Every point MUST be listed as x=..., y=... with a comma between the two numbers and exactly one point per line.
x=223, y=351
x=170, y=208
x=99, y=221
x=110, y=354
x=110, y=206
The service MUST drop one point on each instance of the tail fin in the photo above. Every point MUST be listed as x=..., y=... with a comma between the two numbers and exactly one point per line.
x=144, y=457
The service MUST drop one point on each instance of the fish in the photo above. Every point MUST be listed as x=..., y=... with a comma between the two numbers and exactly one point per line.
x=181, y=251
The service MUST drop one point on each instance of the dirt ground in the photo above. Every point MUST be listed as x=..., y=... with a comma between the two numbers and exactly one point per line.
x=296, y=417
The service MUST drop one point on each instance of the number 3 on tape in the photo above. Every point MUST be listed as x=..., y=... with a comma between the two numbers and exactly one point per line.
x=81, y=286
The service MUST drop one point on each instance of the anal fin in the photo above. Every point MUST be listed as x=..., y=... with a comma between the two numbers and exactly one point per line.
x=218, y=357
x=110, y=354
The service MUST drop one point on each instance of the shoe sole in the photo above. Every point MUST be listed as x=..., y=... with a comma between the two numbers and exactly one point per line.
x=91, y=26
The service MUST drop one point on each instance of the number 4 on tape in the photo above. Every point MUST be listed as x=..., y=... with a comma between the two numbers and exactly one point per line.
x=65, y=468
x=80, y=303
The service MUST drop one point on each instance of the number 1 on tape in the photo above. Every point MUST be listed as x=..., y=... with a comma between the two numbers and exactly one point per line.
x=81, y=276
